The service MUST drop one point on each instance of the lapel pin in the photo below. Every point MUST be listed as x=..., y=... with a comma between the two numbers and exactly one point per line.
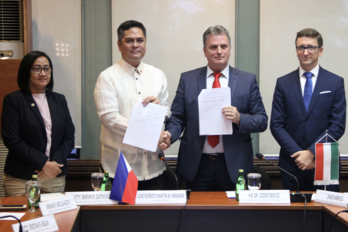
x=32, y=104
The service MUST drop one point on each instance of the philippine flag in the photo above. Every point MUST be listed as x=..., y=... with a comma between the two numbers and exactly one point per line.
x=125, y=184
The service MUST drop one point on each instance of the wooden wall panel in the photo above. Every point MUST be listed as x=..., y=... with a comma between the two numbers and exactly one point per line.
x=27, y=22
x=8, y=78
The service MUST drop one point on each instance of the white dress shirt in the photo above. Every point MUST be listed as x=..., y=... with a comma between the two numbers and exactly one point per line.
x=207, y=149
x=303, y=78
x=118, y=89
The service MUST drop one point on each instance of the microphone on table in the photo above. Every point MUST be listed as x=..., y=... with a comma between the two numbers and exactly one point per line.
x=294, y=197
x=161, y=157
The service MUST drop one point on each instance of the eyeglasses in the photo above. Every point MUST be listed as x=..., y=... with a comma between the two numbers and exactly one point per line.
x=37, y=70
x=309, y=48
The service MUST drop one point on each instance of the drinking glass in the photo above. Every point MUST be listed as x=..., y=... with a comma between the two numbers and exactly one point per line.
x=32, y=189
x=97, y=180
x=254, y=181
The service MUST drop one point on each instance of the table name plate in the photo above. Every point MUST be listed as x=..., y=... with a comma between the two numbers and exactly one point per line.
x=92, y=198
x=161, y=197
x=331, y=198
x=57, y=205
x=42, y=224
x=264, y=196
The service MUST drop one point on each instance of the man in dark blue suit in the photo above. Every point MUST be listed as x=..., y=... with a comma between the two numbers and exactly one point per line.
x=307, y=102
x=211, y=163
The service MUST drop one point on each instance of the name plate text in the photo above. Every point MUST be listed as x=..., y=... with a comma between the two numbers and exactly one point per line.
x=161, y=197
x=42, y=224
x=92, y=198
x=331, y=198
x=57, y=205
x=264, y=196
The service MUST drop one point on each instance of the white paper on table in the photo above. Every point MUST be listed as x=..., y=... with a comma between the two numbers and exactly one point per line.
x=145, y=126
x=231, y=194
x=51, y=196
x=17, y=215
x=211, y=119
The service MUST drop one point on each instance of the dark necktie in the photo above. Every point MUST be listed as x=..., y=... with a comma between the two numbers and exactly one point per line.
x=213, y=140
x=307, y=95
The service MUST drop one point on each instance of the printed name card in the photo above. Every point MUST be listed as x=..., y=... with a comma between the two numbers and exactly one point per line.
x=57, y=205
x=92, y=198
x=161, y=197
x=264, y=196
x=42, y=224
x=331, y=198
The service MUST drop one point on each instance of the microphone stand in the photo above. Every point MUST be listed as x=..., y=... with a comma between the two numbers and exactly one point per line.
x=161, y=157
x=294, y=197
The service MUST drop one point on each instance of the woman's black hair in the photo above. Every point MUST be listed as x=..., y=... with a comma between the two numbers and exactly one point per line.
x=25, y=67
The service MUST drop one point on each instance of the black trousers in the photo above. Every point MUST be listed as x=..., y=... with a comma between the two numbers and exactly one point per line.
x=212, y=175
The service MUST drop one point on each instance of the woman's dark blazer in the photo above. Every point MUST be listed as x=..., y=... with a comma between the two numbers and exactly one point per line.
x=24, y=134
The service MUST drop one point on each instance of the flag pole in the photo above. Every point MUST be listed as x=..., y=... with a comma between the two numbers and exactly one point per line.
x=326, y=142
x=326, y=138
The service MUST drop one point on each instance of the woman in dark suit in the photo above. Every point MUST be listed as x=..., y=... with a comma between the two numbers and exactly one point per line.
x=37, y=129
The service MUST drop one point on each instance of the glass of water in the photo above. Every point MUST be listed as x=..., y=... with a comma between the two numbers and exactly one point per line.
x=97, y=180
x=254, y=181
x=32, y=189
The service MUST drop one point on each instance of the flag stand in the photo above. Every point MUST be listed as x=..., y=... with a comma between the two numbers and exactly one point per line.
x=326, y=141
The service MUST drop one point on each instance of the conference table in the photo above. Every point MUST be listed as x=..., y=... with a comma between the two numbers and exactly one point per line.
x=67, y=221
x=205, y=211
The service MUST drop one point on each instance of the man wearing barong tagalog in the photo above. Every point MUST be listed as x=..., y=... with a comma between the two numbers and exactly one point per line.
x=307, y=103
x=118, y=89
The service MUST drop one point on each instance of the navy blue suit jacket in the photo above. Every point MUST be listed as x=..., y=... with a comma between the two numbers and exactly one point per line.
x=294, y=128
x=245, y=96
x=24, y=133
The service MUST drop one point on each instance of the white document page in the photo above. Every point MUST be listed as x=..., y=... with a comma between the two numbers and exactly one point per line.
x=145, y=126
x=211, y=119
x=17, y=215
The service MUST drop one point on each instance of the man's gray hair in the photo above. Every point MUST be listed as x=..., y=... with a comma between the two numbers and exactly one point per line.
x=215, y=30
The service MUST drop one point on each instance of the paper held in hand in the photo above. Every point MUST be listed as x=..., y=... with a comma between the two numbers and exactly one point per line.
x=145, y=126
x=211, y=119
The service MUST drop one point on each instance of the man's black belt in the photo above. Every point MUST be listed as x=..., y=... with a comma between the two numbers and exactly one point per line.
x=214, y=155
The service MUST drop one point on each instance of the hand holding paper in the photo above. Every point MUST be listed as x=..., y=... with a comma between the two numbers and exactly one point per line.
x=231, y=113
x=151, y=99
x=212, y=120
x=145, y=125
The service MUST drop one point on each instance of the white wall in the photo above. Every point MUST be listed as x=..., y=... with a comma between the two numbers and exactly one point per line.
x=174, y=34
x=57, y=32
x=280, y=20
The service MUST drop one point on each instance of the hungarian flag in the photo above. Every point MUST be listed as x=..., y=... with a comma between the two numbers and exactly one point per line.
x=326, y=164
x=125, y=185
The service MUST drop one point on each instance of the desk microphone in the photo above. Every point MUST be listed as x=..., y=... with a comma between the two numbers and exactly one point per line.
x=161, y=157
x=294, y=197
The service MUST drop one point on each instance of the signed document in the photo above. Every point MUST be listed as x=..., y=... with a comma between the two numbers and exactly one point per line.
x=211, y=119
x=145, y=126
